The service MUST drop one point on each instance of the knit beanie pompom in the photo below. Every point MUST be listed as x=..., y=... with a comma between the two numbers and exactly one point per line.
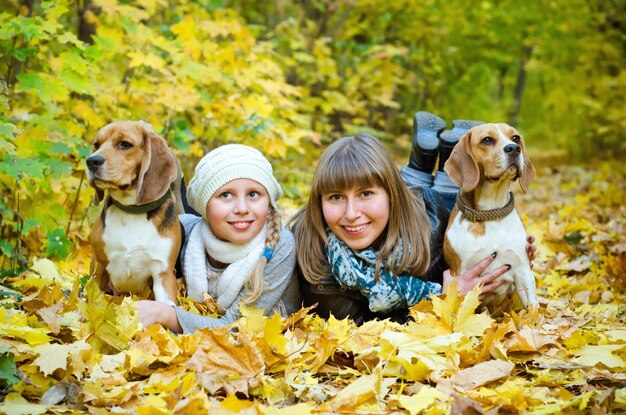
x=227, y=163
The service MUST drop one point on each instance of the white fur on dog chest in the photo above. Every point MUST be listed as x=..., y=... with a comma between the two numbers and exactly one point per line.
x=134, y=248
x=507, y=237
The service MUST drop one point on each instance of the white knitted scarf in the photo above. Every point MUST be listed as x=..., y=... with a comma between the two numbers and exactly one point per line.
x=241, y=258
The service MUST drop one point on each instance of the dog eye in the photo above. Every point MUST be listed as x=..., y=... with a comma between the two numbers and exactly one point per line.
x=487, y=141
x=95, y=146
x=515, y=138
x=124, y=145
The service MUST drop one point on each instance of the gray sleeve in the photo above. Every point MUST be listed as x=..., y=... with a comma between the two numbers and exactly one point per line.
x=278, y=290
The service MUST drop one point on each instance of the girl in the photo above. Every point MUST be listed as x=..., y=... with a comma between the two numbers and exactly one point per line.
x=237, y=251
x=367, y=245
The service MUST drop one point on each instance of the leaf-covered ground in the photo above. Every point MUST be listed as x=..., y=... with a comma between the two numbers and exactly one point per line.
x=67, y=348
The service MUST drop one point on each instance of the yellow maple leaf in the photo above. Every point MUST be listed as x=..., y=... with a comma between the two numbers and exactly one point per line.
x=616, y=335
x=113, y=325
x=593, y=355
x=252, y=319
x=55, y=356
x=425, y=398
x=140, y=361
x=16, y=325
x=469, y=323
x=458, y=312
x=411, y=349
x=153, y=405
x=359, y=392
x=273, y=334
x=14, y=404
x=194, y=403
x=126, y=319
x=166, y=380
x=232, y=403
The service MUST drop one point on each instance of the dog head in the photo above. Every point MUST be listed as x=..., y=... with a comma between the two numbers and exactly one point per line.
x=131, y=161
x=494, y=152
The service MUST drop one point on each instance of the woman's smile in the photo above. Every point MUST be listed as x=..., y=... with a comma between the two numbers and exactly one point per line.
x=357, y=216
x=355, y=229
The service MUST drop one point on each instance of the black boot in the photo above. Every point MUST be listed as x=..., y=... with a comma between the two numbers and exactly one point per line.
x=426, y=129
x=449, y=138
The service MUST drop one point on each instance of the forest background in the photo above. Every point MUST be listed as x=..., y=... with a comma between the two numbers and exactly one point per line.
x=289, y=77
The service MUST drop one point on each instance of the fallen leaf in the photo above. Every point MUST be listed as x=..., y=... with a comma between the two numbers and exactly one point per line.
x=481, y=374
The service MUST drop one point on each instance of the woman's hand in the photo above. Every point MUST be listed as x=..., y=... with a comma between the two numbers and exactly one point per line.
x=154, y=312
x=471, y=278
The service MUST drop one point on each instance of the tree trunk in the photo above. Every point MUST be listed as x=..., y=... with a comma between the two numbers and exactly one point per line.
x=519, y=86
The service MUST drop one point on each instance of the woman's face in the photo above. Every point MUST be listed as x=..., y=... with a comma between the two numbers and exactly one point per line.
x=357, y=216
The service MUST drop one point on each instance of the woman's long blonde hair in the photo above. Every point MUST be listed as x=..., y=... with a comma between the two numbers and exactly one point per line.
x=362, y=161
x=255, y=280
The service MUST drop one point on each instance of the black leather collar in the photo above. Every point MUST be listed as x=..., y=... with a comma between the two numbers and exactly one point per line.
x=137, y=209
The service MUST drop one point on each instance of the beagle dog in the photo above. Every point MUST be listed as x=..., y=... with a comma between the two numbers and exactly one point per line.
x=483, y=221
x=137, y=236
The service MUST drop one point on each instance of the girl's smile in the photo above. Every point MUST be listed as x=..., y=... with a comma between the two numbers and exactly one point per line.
x=241, y=225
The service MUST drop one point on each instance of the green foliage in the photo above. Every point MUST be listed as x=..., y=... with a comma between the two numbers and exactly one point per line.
x=548, y=67
x=7, y=369
x=195, y=73
x=285, y=77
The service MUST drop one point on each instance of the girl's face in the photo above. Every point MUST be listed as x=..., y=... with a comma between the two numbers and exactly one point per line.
x=238, y=210
x=357, y=216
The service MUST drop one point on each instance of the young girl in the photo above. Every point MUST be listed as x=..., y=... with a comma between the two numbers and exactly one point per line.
x=367, y=245
x=237, y=251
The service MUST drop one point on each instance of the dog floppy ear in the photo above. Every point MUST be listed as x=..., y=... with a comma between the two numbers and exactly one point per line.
x=528, y=172
x=158, y=168
x=461, y=166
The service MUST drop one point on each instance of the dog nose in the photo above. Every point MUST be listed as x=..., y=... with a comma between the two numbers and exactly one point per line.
x=512, y=150
x=94, y=162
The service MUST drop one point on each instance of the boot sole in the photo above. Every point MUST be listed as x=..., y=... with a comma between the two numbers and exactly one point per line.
x=429, y=122
x=465, y=124
x=429, y=126
x=459, y=128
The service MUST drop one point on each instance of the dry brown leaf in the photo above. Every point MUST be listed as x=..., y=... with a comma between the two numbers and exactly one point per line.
x=481, y=374
x=224, y=362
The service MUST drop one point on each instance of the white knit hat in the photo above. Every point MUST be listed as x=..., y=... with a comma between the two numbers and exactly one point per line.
x=227, y=163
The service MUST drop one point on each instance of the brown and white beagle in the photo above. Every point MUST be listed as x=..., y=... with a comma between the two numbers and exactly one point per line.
x=483, y=221
x=137, y=237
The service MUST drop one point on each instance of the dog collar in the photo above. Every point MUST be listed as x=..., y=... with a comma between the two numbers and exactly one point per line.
x=474, y=215
x=136, y=209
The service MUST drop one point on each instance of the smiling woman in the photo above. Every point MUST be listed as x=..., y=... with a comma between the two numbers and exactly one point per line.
x=367, y=245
